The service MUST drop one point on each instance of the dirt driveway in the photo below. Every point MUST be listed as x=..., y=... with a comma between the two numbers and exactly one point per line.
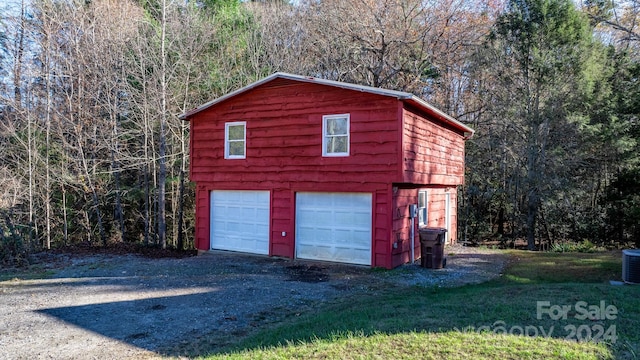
x=127, y=306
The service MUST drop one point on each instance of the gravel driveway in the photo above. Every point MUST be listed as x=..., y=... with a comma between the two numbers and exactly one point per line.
x=127, y=306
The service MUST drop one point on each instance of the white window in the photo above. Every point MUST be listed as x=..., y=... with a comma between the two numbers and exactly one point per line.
x=422, y=208
x=235, y=140
x=335, y=135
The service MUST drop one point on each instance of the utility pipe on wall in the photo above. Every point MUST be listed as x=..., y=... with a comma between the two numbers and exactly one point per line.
x=413, y=213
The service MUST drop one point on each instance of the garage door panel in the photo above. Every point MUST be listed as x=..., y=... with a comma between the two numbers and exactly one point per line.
x=362, y=238
x=337, y=254
x=263, y=213
x=334, y=227
x=240, y=221
x=343, y=235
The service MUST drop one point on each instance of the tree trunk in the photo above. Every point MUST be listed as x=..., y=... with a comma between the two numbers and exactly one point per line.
x=162, y=173
x=147, y=204
x=47, y=196
x=65, y=225
x=87, y=220
x=31, y=169
x=119, y=213
x=94, y=195
x=501, y=220
x=17, y=69
x=180, y=239
x=532, y=214
x=96, y=204
x=115, y=166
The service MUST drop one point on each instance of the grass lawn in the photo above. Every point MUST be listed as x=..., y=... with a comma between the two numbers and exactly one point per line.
x=519, y=316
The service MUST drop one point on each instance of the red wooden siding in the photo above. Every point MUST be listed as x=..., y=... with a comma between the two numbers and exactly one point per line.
x=432, y=154
x=202, y=218
x=284, y=137
x=381, y=248
x=402, y=198
x=282, y=214
x=436, y=205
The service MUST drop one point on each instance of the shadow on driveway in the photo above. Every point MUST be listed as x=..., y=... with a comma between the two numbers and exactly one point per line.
x=164, y=305
x=119, y=306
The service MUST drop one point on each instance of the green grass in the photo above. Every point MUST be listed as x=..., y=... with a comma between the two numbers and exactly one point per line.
x=27, y=273
x=422, y=345
x=466, y=322
x=552, y=267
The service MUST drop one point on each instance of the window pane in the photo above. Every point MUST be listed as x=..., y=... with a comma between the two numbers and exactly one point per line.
x=337, y=126
x=336, y=144
x=236, y=132
x=329, y=144
x=341, y=144
x=236, y=148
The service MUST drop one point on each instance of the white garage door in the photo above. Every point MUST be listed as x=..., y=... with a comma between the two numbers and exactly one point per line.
x=334, y=227
x=240, y=221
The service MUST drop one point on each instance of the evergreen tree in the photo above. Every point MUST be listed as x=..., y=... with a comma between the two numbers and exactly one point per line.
x=537, y=69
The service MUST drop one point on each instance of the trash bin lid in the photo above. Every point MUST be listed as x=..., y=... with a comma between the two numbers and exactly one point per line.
x=431, y=233
x=428, y=230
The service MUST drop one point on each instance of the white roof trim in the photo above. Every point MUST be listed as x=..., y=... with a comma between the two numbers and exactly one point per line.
x=368, y=89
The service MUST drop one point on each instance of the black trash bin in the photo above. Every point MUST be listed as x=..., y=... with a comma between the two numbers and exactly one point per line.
x=432, y=247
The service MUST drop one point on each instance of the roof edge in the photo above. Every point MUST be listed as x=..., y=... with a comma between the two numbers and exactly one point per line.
x=468, y=132
x=400, y=95
x=207, y=105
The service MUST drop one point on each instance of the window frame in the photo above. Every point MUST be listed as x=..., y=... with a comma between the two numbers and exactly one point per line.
x=423, y=213
x=227, y=141
x=325, y=136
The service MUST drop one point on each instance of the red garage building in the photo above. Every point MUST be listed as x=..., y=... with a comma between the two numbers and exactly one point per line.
x=307, y=168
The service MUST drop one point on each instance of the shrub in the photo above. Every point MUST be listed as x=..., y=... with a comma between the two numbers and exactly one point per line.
x=585, y=246
x=13, y=252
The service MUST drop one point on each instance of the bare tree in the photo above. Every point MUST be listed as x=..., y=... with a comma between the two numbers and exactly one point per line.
x=19, y=125
x=622, y=17
x=422, y=47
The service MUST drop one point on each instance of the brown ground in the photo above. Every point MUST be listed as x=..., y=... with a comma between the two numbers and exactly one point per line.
x=111, y=305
